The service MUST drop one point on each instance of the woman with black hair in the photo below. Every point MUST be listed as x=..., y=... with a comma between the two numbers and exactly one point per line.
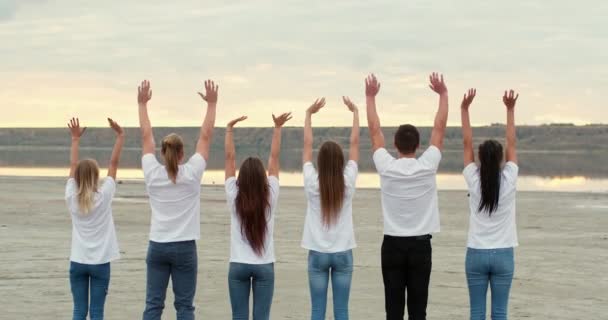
x=492, y=229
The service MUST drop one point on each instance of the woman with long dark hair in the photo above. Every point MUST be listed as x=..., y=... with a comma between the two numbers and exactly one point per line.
x=492, y=228
x=252, y=199
x=328, y=229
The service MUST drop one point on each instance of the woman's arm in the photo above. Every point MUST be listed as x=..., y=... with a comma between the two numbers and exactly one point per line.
x=120, y=140
x=144, y=94
x=206, y=134
x=275, y=148
x=467, y=131
x=353, y=153
x=510, y=99
x=372, y=87
x=314, y=108
x=76, y=132
x=230, y=164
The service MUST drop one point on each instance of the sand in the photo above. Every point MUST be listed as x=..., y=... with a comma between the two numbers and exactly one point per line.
x=560, y=264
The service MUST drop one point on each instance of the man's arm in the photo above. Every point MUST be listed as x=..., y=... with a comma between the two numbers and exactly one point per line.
x=307, y=149
x=467, y=131
x=206, y=134
x=441, y=118
x=510, y=99
x=372, y=87
x=144, y=94
x=76, y=132
x=275, y=147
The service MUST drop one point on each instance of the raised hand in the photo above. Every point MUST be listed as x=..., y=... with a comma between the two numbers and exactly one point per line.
x=75, y=129
x=468, y=98
x=144, y=94
x=116, y=127
x=437, y=83
x=510, y=98
x=235, y=121
x=280, y=120
x=351, y=106
x=316, y=106
x=372, y=86
x=211, y=90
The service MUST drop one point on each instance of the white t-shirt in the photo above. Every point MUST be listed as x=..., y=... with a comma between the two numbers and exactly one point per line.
x=339, y=236
x=409, y=192
x=240, y=249
x=93, y=234
x=176, y=208
x=497, y=230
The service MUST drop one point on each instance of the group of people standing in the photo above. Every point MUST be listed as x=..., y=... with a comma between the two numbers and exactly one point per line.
x=409, y=207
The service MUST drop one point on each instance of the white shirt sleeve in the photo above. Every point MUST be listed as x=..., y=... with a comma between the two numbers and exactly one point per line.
x=273, y=183
x=471, y=176
x=431, y=158
x=510, y=172
x=350, y=173
x=108, y=188
x=231, y=189
x=310, y=175
x=70, y=188
x=382, y=159
x=197, y=164
x=149, y=164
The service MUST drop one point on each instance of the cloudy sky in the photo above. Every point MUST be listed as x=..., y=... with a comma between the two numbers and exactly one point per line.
x=61, y=58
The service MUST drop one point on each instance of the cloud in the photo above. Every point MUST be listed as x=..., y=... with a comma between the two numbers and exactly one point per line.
x=8, y=8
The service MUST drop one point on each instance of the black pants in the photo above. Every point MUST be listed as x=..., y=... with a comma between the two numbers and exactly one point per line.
x=406, y=265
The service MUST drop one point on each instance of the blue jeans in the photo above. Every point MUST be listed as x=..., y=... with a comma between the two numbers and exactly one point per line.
x=98, y=276
x=493, y=266
x=242, y=279
x=321, y=266
x=179, y=261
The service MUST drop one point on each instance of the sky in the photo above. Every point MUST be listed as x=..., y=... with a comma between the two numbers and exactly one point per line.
x=64, y=58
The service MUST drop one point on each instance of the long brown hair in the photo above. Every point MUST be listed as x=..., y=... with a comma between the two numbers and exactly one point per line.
x=252, y=203
x=172, y=150
x=331, y=181
x=87, y=177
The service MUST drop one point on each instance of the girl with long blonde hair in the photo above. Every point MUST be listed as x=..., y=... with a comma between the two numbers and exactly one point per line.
x=94, y=242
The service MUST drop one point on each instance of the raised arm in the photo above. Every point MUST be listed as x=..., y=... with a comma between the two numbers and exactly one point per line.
x=441, y=118
x=510, y=99
x=275, y=148
x=206, y=135
x=314, y=108
x=76, y=132
x=353, y=153
x=372, y=86
x=120, y=140
x=144, y=94
x=467, y=131
x=230, y=166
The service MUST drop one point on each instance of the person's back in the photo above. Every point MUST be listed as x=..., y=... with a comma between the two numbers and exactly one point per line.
x=409, y=204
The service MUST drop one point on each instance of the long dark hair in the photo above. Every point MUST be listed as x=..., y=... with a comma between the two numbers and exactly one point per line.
x=331, y=181
x=490, y=158
x=252, y=202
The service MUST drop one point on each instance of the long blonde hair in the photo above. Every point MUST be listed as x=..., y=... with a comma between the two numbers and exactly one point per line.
x=87, y=177
x=330, y=161
x=172, y=150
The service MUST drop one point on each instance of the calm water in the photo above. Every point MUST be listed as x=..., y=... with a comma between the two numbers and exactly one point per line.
x=365, y=180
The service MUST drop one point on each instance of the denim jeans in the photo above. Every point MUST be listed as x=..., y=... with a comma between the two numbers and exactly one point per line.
x=322, y=266
x=406, y=267
x=98, y=276
x=178, y=261
x=493, y=266
x=244, y=278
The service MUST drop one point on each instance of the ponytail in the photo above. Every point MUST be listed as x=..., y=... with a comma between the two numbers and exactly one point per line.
x=172, y=150
x=86, y=176
x=490, y=157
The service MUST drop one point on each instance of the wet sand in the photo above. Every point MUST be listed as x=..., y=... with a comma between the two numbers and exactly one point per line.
x=560, y=264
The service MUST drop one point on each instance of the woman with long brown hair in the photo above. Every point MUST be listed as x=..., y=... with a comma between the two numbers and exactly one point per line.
x=94, y=242
x=174, y=190
x=252, y=199
x=328, y=228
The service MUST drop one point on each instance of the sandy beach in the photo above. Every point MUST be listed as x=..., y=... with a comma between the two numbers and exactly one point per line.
x=560, y=264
